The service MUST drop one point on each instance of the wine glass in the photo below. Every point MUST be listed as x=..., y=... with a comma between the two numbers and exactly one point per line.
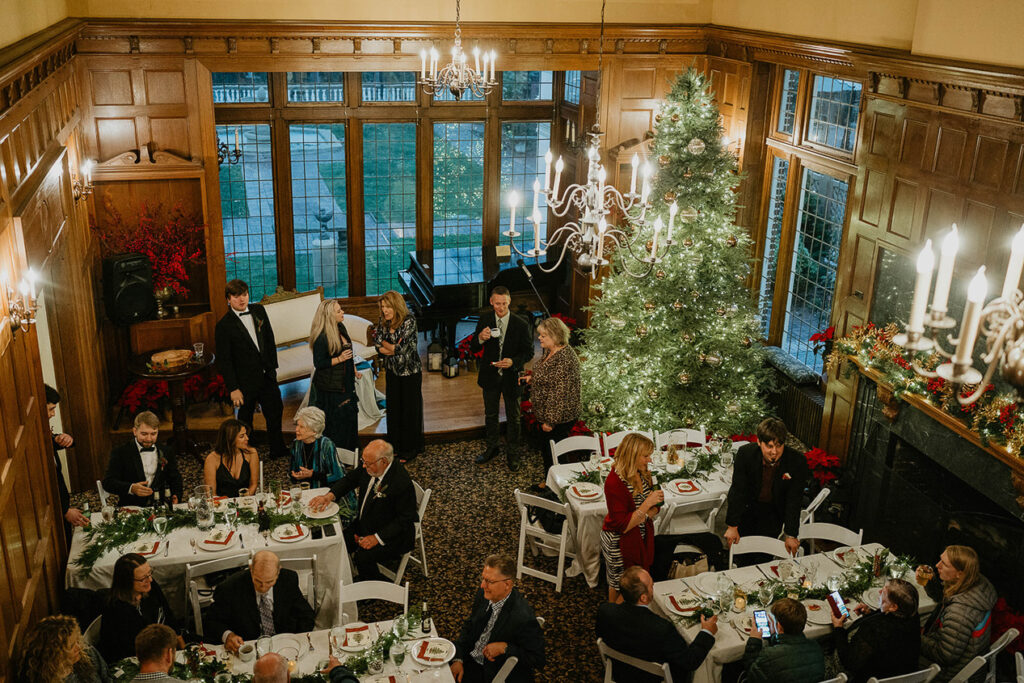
x=397, y=652
x=400, y=627
x=413, y=621
x=765, y=594
x=336, y=639
x=832, y=583
x=264, y=646
x=266, y=537
x=160, y=525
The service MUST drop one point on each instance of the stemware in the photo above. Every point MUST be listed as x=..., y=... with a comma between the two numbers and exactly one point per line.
x=400, y=626
x=397, y=652
x=336, y=639
x=266, y=537
x=264, y=646
x=192, y=542
x=107, y=513
x=160, y=525
x=832, y=583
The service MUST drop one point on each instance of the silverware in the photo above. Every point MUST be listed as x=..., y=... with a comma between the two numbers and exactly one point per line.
x=193, y=542
x=310, y=641
x=242, y=539
x=167, y=547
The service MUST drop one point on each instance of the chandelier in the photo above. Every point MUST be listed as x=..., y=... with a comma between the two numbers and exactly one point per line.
x=1000, y=321
x=457, y=77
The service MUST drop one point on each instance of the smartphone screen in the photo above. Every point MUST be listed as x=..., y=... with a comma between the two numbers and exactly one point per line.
x=761, y=621
x=838, y=605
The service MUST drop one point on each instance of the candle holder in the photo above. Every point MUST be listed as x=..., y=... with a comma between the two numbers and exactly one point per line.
x=913, y=340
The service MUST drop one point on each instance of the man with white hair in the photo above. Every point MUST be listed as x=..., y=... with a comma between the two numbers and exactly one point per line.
x=385, y=526
x=314, y=457
x=273, y=668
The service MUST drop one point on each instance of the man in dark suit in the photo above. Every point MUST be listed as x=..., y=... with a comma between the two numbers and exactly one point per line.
x=767, y=488
x=247, y=358
x=501, y=624
x=633, y=629
x=385, y=526
x=72, y=516
x=508, y=346
x=263, y=601
x=140, y=467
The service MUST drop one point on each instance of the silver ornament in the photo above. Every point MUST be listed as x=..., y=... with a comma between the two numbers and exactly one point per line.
x=696, y=146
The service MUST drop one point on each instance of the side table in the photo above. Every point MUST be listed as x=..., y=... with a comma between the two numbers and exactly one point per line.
x=175, y=378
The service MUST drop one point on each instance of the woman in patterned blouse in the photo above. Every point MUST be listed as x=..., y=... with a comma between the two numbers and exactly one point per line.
x=555, y=383
x=395, y=340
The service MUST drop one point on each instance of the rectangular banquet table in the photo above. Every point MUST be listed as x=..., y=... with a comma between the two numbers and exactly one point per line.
x=586, y=517
x=332, y=562
x=729, y=642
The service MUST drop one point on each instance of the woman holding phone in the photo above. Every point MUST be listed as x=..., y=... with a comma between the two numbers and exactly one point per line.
x=395, y=339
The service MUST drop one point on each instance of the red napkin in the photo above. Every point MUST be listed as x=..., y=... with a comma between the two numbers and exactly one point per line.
x=681, y=608
x=686, y=486
x=694, y=444
x=423, y=653
x=298, y=534
x=224, y=541
x=585, y=494
x=156, y=546
x=356, y=629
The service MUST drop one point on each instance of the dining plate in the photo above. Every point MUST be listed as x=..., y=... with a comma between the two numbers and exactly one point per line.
x=744, y=621
x=846, y=556
x=218, y=540
x=146, y=548
x=329, y=511
x=870, y=597
x=290, y=533
x=432, y=651
x=358, y=636
x=684, y=605
x=684, y=487
x=289, y=645
x=818, y=611
x=585, y=491
x=706, y=583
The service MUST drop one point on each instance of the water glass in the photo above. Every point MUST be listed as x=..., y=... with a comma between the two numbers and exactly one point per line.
x=197, y=348
x=400, y=626
x=160, y=525
x=107, y=512
x=727, y=456
x=265, y=646
x=765, y=594
x=413, y=622
x=397, y=652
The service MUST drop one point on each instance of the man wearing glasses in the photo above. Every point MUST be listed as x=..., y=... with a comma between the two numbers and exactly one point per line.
x=501, y=625
x=385, y=525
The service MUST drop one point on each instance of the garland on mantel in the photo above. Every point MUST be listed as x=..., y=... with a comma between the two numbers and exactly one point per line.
x=993, y=417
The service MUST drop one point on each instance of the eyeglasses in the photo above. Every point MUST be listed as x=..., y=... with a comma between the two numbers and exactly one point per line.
x=145, y=578
x=489, y=582
x=367, y=463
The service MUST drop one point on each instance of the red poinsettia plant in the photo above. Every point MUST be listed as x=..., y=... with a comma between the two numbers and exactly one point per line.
x=823, y=340
x=199, y=388
x=143, y=394
x=170, y=239
x=823, y=465
x=465, y=352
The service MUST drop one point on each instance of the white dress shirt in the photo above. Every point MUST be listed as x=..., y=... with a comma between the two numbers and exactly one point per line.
x=369, y=492
x=149, y=462
x=249, y=324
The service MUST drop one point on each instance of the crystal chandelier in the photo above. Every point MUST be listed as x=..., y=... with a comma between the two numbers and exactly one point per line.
x=1001, y=321
x=585, y=237
x=457, y=77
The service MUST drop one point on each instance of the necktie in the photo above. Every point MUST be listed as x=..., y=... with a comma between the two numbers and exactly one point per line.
x=266, y=616
x=244, y=313
x=502, y=325
x=151, y=449
x=485, y=635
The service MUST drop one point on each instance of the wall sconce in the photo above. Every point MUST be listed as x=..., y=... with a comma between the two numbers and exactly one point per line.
x=81, y=187
x=22, y=304
x=231, y=157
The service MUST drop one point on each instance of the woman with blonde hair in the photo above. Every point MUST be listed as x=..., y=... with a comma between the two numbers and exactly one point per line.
x=333, y=388
x=54, y=652
x=395, y=339
x=627, y=535
x=961, y=628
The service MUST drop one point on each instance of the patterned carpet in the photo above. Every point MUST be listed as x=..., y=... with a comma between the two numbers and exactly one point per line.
x=471, y=514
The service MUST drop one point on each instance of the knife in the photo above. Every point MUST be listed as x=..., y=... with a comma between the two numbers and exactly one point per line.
x=167, y=547
x=242, y=539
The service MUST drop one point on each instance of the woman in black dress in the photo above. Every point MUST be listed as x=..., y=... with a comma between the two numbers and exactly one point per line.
x=395, y=339
x=333, y=389
x=232, y=465
x=135, y=602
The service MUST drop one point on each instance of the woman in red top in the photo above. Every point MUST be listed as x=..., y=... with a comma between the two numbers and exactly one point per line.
x=627, y=536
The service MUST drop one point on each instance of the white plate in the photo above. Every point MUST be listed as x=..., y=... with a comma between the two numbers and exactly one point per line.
x=870, y=597
x=818, y=611
x=214, y=547
x=585, y=491
x=706, y=583
x=439, y=650
x=289, y=645
x=358, y=640
x=146, y=548
x=684, y=487
x=329, y=511
x=685, y=605
x=282, y=533
x=843, y=556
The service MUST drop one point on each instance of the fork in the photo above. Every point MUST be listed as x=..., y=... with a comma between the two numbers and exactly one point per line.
x=310, y=641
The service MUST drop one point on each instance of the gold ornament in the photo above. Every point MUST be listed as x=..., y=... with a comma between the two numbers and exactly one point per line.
x=696, y=146
x=675, y=118
x=701, y=358
x=687, y=337
x=687, y=242
x=664, y=160
x=747, y=341
x=597, y=408
x=713, y=359
x=733, y=409
x=695, y=294
x=652, y=394
x=731, y=242
x=649, y=305
x=684, y=378
x=641, y=331
x=688, y=214
x=669, y=197
x=720, y=311
x=677, y=304
x=617, y=322
x=657, y=117
x=660, y=274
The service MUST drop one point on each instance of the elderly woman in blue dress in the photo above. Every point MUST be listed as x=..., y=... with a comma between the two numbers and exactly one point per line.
x=314, y=457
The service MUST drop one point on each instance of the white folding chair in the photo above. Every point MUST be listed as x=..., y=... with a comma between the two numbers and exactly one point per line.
x=841, y=678
x=989, y=658
x=422, y=498
x=807, y=514
x=537, y=537
x=305, y=567
x=610, y=442
x=697, y=517
x=757, y=544
x=505, y=670
x=92, y=634
x=348, y=459
x=573, y=443
x=680, y=437
x=821, y=531
x=371, y=590
x=609, y=653
x=102, y=491
x=199, y=593
x=922, y=676
x=1018, y=659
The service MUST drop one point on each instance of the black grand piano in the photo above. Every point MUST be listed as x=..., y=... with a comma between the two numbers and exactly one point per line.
x=440, y=301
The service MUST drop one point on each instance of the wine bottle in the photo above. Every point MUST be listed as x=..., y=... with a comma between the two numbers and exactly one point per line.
x=425, y=623
x=168, y=498
x=263, y=517
x=155, y=498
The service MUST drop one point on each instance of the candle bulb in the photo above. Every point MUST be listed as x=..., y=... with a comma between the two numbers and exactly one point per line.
x=972, y=318
x=944, y=279
x=236, y=139
x=423, y=65
x=87, y=170
x=925, y=264
x=476, y=59
x=493, y=59
x=536, y=231
x=536, y=194
x=559, y=166
x=632, y=178
x=32, y=283
x=547, y=170
x=1012, y=280
x=602, y=225
x=673, y=209
x=513, y=202
x=654, y=243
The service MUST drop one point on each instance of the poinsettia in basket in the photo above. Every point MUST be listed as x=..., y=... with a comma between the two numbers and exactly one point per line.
x=143, y=394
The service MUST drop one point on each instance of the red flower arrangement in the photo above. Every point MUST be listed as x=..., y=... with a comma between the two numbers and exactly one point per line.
x=823, y=466
x=199, y=388
x=752, y=438
x=464, y=351
x=143, y=394
x=569, y=322
x=169, y=239
x=823, y=340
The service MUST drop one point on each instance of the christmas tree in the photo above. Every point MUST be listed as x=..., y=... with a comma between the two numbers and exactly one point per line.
x=678, y=348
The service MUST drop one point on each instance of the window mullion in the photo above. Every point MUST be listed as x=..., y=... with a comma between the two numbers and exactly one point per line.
x=354, y=187
x=784, y=265
x=284, y=234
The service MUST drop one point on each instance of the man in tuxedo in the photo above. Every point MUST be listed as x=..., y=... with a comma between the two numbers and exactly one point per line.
x=385, y=526
x=501, y=624
x=767, y=488
x=140, y=467
x=263, y=601
x=633, y=629
x=247, y=358
x=505, y=354
x=72, y=516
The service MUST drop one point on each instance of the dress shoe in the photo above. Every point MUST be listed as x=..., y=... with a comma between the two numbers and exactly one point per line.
x=486, y=456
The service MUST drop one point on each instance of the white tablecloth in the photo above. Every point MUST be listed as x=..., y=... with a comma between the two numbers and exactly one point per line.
x=332, y=561
x=587, y=517
x=729, y=643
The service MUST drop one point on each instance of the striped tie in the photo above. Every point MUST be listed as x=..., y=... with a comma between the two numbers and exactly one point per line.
x=266, y=616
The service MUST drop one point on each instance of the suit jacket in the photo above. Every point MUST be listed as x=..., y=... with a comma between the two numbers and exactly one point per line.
x=518, y=346
x=516, y=625
x=390, y=513
x=637, y=631
x=235, y=607
x=787, y=488
x=125, y=468
x=243, y=364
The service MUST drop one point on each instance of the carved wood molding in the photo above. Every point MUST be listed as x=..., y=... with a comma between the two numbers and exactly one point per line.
x=145, y=159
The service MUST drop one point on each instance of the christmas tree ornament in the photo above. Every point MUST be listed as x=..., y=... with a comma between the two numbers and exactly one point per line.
x=675, y=117
x=688, y=214
x=664, y=160
x=649, y=305
x=597, y=407
x=617, y=322
x=653, y=394
x=701, y=358
x=696, y=146
x=687, y=242
x=683, y=378
x=669, y=197
x=641, y=331
x=747, y=341
x=713, y=359
x=660, y=274
x=657, y=117
x=695, y=294
x=677, y=304
x=720, y=311
x=687, y=337
x=733, y=409
x=731, y=242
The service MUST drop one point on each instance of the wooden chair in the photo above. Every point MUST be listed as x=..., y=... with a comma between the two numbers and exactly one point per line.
x=989, y=658
x=371, y=590
x=922, y=676
x=199, y=594
x=538, y=538
x=573, y=443
x=610, y=442
x=608, y=654
x=422, y=498
x=757, y=544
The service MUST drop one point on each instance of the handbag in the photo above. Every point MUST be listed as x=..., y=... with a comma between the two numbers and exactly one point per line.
x=689, y=567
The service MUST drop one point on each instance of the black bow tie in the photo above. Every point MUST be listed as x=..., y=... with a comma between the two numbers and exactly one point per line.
x=244, y=313
x=151, y=449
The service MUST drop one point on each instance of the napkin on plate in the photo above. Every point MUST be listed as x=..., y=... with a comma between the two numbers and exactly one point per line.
x=365, y=628
x=585, y=494
x=223, y=541
x=679, y=607
x=298, y=534
x=151, y=551
x=424, y=646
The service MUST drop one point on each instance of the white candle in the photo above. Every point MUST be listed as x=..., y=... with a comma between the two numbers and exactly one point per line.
x=261, y=476
x=87, y=170
x=423, y=64
x=536, y=194
x=972, y=318
x=944, y=279
x=602, y=225
x=433, y=62
x=1016, y=262
x=654, y=243
x=559, y=165
x=513, y=202
x=236, y=139
x=632, y=178
x=673, y=209
x=476, y=59
x=32, y=283
x=547, y=170
x=493, y=59
x=925, y=264
x=536, y=230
